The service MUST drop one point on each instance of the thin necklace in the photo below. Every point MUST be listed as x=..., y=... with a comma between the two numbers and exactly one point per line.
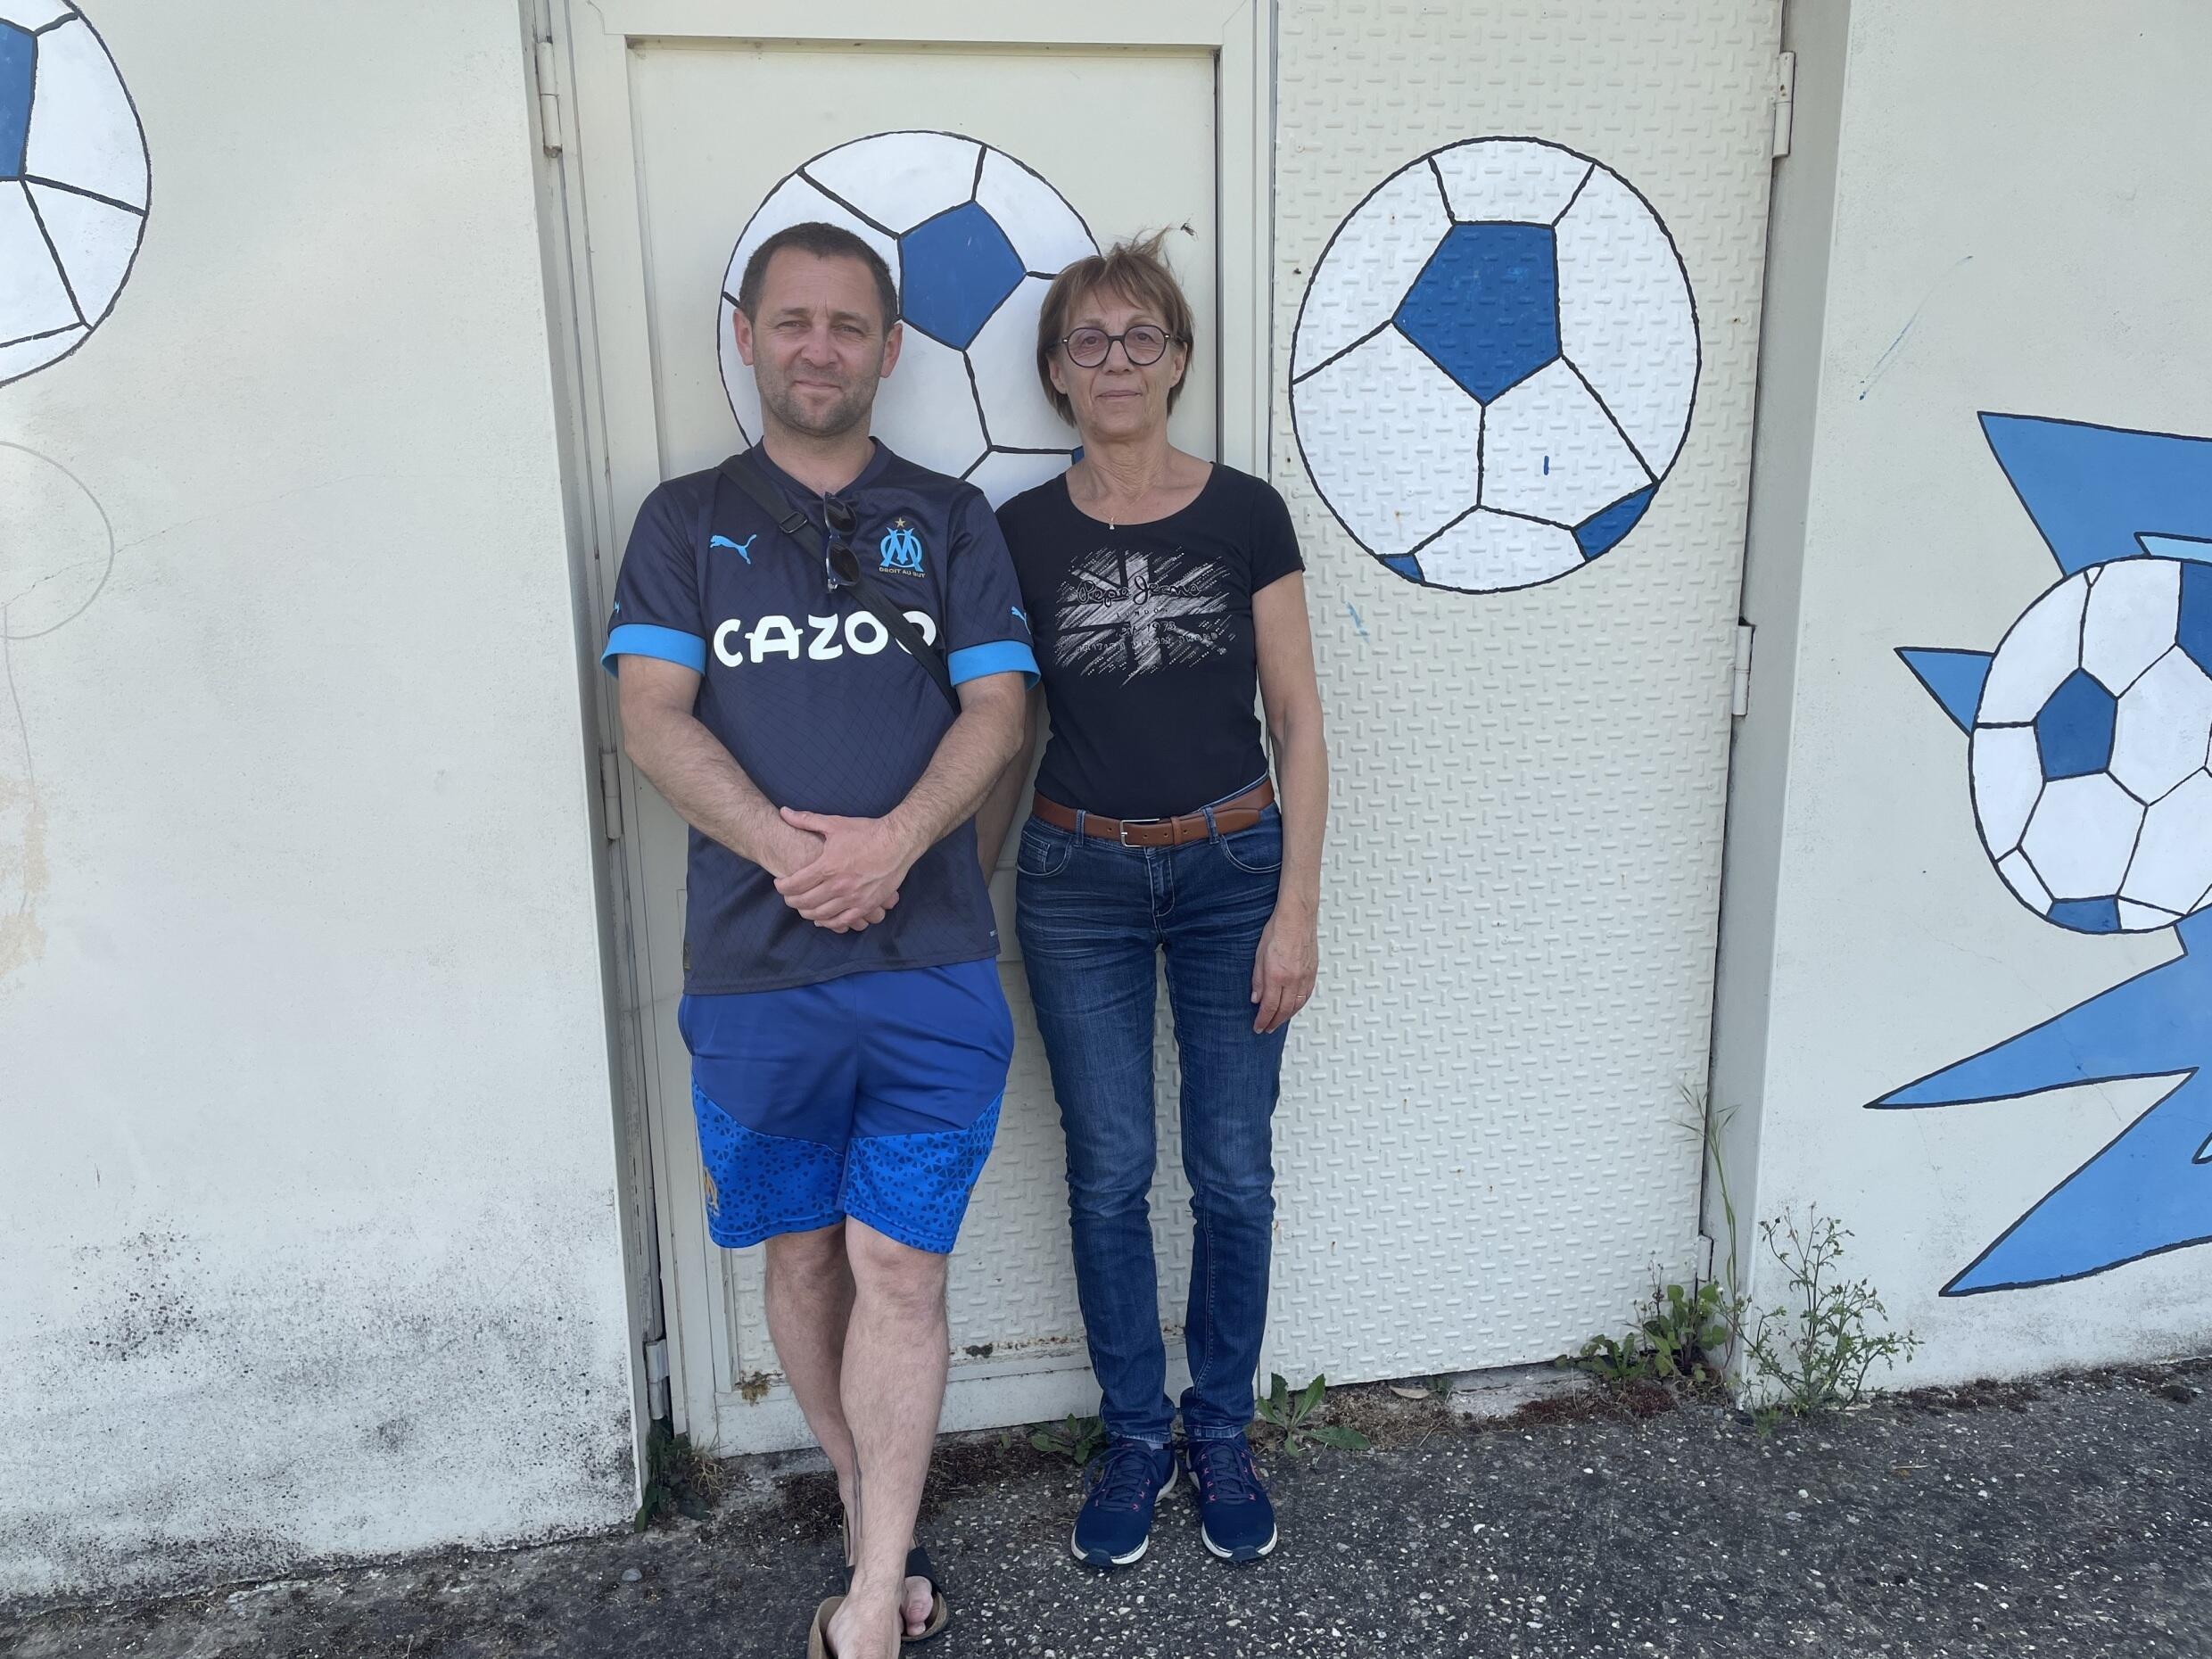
x=1110, y=522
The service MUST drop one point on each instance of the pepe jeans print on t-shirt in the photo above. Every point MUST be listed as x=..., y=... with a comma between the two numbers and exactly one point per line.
x=1128, y=611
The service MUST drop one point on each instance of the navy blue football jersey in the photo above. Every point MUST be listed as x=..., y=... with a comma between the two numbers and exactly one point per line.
x=813, y=699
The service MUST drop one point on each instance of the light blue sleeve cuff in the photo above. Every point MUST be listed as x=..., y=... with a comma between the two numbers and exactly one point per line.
x=1000, y=657
x=670, y=645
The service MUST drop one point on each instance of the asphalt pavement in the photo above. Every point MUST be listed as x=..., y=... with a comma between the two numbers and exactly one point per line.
x=2068, y=1516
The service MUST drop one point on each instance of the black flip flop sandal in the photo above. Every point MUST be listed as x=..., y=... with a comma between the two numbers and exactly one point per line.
x=917, y=1566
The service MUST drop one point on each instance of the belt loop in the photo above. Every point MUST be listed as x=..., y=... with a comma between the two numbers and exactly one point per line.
x=1213, y=830
x=1080, y=816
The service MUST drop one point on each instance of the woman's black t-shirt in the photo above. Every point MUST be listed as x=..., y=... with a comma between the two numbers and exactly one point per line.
x=1143, y=633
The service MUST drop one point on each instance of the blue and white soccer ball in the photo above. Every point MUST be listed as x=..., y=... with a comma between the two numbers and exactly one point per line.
x=1494, y=364
x=973, y=238
x=2092, y=748
x=73, y=183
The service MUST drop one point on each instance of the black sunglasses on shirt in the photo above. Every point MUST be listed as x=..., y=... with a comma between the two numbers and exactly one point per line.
x=840, y=565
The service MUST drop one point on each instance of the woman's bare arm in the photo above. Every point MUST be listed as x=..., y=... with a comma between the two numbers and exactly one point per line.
x=1289, y=959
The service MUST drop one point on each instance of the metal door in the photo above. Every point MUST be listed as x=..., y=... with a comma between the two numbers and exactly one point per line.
x=1483, y=1149
x=679, y=121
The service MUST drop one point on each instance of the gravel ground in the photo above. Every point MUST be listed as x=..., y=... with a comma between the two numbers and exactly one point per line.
x=2072, y=1517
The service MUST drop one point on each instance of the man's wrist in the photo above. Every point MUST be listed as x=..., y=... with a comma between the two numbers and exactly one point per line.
x=784, y=850
x=909, y=839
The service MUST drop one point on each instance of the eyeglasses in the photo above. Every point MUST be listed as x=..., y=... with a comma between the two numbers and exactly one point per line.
x=840, y=565
x=1142, y=345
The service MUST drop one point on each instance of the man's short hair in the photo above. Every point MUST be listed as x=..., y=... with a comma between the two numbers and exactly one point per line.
x=1137, y=270
x=824, y=242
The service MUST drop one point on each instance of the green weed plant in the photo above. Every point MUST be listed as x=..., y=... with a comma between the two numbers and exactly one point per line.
x=1291, y=1415
x=1816, y=1350
x=1079, y=1440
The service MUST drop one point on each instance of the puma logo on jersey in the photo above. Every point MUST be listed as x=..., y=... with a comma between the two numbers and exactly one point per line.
x=741, y=548
x=825, y=639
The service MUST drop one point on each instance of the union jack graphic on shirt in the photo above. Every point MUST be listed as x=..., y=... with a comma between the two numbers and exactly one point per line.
x=1132, y=614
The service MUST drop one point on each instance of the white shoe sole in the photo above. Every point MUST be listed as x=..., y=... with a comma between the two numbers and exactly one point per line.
x=1266, y=1548
x=1143, y=1544
x=1206, y=1538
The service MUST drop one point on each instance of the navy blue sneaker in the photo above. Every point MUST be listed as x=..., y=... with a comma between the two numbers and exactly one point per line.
x=1236, y=1517
x=1115, y=1523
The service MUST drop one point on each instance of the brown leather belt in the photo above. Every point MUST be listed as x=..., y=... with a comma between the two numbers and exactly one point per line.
x=1240, y=812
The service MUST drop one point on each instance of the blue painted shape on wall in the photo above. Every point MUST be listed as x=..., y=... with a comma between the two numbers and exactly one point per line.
x=2150, y=1189
x=2097, y=494
x=2094, y=915
x=1406, y=564
x=2194, y=634
x=2074, y=728
x=1485, y=309
x=1601, y=532
x=18, y=58
x=2093, y=490
x=957, y=269
x=2178, y=547
x=1952, y=678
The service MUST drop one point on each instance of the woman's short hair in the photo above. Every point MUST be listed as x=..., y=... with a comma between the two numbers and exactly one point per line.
x=1136, y=270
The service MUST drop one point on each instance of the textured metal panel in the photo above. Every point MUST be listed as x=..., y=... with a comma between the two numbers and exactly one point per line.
x=1481, y=1150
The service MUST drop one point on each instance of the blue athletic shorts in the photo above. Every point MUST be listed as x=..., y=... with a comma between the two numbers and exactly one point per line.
x=874, y=1096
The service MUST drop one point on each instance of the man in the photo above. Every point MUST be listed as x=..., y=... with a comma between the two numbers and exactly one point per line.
x=848, y=1036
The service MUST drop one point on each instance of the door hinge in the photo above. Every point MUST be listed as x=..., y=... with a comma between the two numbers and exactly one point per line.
x=610, y=792
x=548, y=99
x=1785, y=100
x=1739, y=700
x=657, y=1378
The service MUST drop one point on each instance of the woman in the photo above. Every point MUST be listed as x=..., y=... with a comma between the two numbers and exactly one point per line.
x=1160, y=589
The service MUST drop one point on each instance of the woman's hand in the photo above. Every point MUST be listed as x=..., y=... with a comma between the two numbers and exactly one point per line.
x=1283, y=972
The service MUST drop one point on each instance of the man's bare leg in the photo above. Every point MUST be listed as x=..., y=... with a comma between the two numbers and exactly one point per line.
x=808, y=1297
x=893, y=1387
x=808, y=1293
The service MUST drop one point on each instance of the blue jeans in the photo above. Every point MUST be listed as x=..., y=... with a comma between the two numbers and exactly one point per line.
x=1092, y=916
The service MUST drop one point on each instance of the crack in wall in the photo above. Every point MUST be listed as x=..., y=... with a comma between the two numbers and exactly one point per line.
x=23, y=872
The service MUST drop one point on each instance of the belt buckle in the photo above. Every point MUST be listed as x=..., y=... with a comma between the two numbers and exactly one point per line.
x=1128, y=823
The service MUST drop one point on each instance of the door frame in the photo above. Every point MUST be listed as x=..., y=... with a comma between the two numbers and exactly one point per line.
x=612, y=427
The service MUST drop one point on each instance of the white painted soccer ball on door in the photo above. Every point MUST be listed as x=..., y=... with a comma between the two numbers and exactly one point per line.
x=73, y=183
x=1494, y=364
x=973, y=238
x=2091, y=746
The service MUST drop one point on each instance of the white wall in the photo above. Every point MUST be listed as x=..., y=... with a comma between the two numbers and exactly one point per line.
x=2015, y=223
x=310, y=1224
x=307, y=1231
